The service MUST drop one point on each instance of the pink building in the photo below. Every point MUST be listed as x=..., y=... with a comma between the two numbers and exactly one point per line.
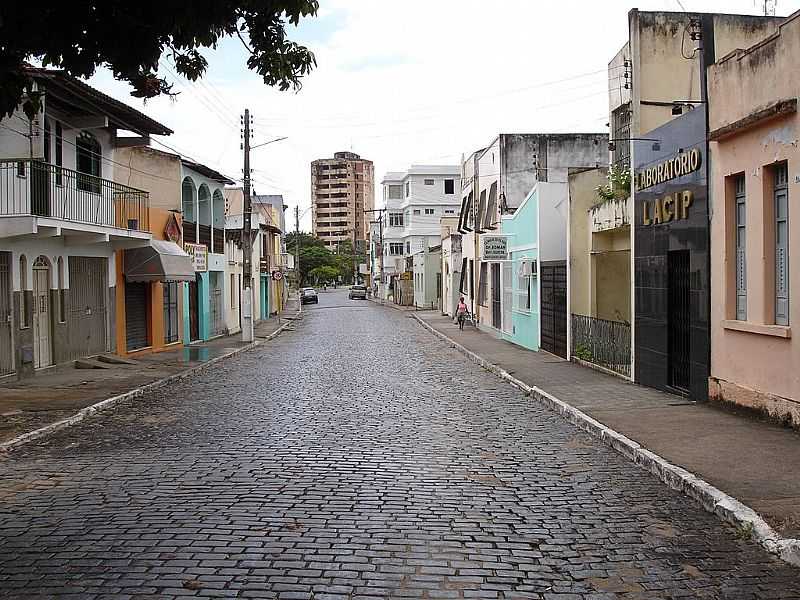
x=755, y=225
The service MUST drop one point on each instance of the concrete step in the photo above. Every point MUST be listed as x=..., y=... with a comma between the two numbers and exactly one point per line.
x=91, y=363
x=113, y=359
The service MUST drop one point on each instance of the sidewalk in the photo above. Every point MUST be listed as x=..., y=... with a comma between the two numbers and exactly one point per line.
x=60, y=392
x=755, y=462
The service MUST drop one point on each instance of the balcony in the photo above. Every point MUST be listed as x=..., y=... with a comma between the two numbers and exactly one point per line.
x=190, y=236
x=31, y=188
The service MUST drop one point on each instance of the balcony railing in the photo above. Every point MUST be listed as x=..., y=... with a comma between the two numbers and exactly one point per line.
x=35, y=188
x=601, y=342
x=190, y=236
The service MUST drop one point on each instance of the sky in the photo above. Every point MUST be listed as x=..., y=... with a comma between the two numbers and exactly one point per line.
x=402, y=83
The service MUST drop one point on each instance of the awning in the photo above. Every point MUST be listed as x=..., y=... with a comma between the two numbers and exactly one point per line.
x=160, y=261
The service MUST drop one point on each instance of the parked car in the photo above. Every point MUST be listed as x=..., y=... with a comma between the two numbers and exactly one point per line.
x=358, y=292
x=308, y=296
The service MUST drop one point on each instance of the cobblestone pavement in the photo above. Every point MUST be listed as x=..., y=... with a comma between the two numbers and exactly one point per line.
x=355, y=457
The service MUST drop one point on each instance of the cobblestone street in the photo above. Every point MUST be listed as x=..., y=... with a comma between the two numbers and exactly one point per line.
x=355, y=457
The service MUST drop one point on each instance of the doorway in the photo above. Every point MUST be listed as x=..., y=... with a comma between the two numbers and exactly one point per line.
x=497, y=314
x=42, y=356
x=554, y=308
x=194, y=318
x=678, y=319
x=136, y=315
x=6, y=339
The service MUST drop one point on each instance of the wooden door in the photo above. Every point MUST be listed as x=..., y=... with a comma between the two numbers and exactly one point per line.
x=42, y=356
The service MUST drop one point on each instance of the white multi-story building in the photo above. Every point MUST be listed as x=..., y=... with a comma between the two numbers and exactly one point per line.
x=416, y=200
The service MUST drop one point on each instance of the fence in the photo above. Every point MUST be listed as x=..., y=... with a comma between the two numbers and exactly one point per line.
x=601, y=342
x=32, y=187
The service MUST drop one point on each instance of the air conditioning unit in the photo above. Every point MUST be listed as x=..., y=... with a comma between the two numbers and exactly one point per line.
x=527, y=268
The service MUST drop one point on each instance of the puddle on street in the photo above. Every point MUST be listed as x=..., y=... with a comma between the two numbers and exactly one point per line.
x=195, y=354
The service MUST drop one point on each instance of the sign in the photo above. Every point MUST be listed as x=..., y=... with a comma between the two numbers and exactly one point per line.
x=406, y=275
x=199, y=255
x=494, y=247
x=681, y=164
x=172, y=231
x=263, y=265
x=663, y=210
x=277, y=275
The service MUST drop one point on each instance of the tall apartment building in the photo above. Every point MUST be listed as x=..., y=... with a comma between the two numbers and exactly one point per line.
x=342, y=188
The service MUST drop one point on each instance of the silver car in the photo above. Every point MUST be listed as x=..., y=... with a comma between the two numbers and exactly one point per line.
x=358, y=292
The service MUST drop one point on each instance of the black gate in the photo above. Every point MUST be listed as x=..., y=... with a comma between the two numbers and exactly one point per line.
x=554, y=308
x=678, y=318
x=496, y=313
x=136, y=315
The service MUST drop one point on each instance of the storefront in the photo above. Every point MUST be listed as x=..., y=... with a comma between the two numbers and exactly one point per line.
x=671, y=258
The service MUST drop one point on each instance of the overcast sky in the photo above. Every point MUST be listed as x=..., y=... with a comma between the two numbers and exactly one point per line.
x=409, y=82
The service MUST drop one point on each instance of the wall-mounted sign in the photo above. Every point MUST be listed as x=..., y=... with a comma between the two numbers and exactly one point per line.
x=199, y=255
x=663, y=210
x=681, y=164
x=172, y=231
x=277, y=275
x=494, y=247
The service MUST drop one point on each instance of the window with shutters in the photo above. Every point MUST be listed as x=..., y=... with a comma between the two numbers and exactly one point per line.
x=483, y=284
x=781, y=198
x=740, y=222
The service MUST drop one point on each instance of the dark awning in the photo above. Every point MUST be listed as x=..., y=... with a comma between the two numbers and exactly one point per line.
x=160, y=261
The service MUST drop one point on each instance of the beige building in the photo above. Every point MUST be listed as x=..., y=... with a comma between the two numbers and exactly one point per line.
x=755, y=280
x=342, y=189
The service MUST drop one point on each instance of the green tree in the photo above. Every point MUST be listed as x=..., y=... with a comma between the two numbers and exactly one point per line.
x=129, y=38
x=324, y=274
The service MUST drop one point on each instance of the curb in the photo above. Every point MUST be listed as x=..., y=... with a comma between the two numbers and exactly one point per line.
x=710, y=498
x=83, y=413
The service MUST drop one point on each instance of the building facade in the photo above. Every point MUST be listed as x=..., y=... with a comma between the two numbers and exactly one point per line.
x=451, y=265
x=755, y=284
x=66, y=225
x=427, y=269
x=415, y=200
x=342, y=189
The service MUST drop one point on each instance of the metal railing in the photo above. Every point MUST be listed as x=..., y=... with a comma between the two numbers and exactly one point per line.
x=601, y=342
x=190, y=236
x=32, y=187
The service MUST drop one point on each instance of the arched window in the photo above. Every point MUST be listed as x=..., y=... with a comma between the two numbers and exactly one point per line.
x=88, y=162
x=204, y=205
x=187, y=199
x=62, y=316
x=24, y=304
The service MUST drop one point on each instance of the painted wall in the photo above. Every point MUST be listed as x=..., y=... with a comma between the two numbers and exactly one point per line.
x=754, y=362
x=582, y=196
x=524, y=228
x=153, y=171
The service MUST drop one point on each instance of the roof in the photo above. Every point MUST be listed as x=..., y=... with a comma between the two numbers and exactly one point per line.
x=206, y=171
x=74, y=92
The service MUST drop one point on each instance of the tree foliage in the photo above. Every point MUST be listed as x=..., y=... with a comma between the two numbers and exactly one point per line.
x=129, y=38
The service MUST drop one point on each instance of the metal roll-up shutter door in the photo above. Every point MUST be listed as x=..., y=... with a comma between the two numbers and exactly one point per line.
x=136, y=315
x=88, y=283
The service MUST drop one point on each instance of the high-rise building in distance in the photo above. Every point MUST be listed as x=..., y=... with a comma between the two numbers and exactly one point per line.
x=342, y=188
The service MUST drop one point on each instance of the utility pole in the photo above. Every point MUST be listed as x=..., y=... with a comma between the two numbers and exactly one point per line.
x=247, y=240
x=380, y=212
x=297, y=244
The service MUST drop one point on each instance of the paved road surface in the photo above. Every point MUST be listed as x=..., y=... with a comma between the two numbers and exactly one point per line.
x=356, y=457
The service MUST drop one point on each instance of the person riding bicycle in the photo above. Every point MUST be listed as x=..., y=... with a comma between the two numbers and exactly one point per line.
x=461, y=312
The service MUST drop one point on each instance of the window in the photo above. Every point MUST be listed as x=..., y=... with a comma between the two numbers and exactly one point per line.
x=47, y=140
x=395, y=219
x=233, y=290
x=490, y=220
x=395, y=192
x=170, y=312
x=87, y=160
x=462, y=284
x=20, y=168
x=59, y=153
x=62, y=317
x=396, y=249
x=483, y=284
x=416, y=211
x=471, y=278
x=408, y=247
x=621, y=132
x=781, y=197
x=429, y=211
x=740, y=217
x=408, y=189
x=449, y=211
x=449, y=186
x=523, y=291
x=480, y=212
x=25, y=304
x=429, y=182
